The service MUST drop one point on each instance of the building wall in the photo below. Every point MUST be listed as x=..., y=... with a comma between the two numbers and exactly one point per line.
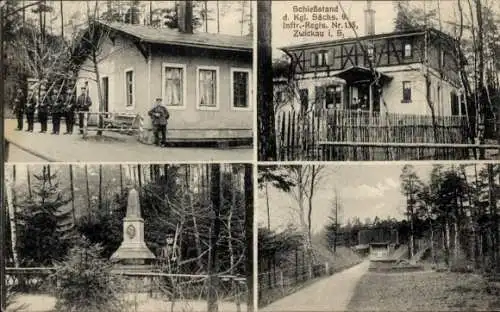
x=393, y=91
x=124, y=55
x=115, y=59
x=190, y=117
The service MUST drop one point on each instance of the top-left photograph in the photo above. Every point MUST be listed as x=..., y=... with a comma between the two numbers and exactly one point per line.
x=118, y=81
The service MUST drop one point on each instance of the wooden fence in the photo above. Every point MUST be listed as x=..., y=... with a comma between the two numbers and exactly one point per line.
x=333, y=134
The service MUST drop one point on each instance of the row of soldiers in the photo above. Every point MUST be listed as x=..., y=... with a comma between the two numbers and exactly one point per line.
x=51, y=105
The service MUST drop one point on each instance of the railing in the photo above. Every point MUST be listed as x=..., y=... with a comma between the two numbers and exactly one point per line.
x=156, y=284
x=333, y=134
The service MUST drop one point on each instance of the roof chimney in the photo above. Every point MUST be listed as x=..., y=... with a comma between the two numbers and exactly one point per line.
x=185, y=16
x=369, y=19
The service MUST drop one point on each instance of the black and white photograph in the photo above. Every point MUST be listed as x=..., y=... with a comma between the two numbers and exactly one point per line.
x=366, y=237
x=378, y=80
x=129, y=237
x=128, y=80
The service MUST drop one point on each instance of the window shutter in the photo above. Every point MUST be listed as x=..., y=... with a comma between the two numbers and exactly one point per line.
x=313, y=59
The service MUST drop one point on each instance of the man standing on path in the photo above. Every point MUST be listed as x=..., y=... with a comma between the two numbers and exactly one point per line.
x=83, y=104
x=30, y=111
x=43, y=110
x=19, y=105
x=159, y=116
x=69, y=111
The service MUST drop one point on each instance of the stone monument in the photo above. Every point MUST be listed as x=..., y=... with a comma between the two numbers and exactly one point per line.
x=133, y=249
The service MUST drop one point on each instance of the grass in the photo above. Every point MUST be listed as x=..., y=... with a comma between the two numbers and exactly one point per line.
x=425, y=291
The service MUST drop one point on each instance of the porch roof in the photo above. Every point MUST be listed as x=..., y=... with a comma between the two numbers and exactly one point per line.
x=357, y=73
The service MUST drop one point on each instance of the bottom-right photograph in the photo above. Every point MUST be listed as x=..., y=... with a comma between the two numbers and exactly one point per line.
x=379, y=237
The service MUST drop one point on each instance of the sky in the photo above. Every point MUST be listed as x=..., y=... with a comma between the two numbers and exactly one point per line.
x=77, y=9
x=385, y=14
x=365, y=190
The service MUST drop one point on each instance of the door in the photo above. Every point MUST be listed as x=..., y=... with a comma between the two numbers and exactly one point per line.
x=105, y=94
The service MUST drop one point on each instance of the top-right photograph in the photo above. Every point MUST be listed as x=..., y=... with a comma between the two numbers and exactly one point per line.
x=378, y=80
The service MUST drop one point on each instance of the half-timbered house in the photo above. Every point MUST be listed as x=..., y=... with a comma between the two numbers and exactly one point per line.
x=410, y=72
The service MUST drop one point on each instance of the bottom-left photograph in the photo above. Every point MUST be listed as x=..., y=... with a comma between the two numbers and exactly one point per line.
x=128, y=237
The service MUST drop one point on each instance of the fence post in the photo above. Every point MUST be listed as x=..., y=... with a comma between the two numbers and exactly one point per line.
x=326, y=269
x=310, y=268
x=282, y=283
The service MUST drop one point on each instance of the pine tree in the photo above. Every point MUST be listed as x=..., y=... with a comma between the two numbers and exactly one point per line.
x=45, y=226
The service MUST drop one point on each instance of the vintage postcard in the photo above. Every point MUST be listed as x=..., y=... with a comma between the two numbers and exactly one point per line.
x=380, y=80
x=371, y=237
x=129, y=80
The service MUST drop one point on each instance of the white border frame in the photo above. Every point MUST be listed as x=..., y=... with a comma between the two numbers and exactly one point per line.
x=184, y=84
x=249, y=88
x=125, y=71
x=217, y=94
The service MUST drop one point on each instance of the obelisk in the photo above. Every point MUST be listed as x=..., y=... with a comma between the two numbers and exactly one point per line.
x=133, y=249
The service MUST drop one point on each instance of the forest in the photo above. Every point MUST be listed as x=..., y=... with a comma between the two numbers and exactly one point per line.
x=51, y=208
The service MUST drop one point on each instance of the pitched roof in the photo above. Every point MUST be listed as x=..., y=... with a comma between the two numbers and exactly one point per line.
x=394, y=34
x=174, y=37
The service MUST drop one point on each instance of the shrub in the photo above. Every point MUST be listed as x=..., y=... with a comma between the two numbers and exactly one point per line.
x=84, y=281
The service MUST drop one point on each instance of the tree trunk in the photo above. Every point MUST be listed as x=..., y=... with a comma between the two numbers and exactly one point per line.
x=213, y=268
x=12, y=215
x=482, y=87
x=121, y=179
x=249, y=219
x=28, y=180
x=310, y=204
x=89, y=204
x=139, y=175
x=266, y=123
x=447, y=241
x=268, y=211
x=72, y=191
x=62, y=18
x=100, y=204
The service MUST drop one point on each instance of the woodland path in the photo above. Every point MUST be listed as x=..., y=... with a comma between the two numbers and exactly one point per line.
x=329, y=294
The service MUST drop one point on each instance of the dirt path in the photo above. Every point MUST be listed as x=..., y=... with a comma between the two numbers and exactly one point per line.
x=329, y=294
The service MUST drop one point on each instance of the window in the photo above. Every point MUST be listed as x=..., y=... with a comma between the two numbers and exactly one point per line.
x=129, y=88
x=207, y=91
x=333, y=96
x=240, y=88
x=319, y=59
x=442, y=58
x=406, y=92
x=455, y=103
x=407, y=50
x=174, y=88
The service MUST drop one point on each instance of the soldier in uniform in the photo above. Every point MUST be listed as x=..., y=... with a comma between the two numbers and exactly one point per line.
x=30, y=111
x=43, y=110
x=19, y=105
x=57, y=112
x=69, y=111
x=159, y=116
x=83, y=104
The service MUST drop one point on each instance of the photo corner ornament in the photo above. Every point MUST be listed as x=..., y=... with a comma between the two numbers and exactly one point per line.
x=131, y=231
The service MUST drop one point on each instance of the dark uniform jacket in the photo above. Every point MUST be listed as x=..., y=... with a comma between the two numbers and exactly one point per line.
x=19, y=104
x=30, y=105
x=159, y=115
x=69, y=104
x=83, y=102
x=58, y=107
x=44, y=104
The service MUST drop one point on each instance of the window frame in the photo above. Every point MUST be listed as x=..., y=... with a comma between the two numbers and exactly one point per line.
x=184, y=85
x=249, y=88
x=404, y=100
x=125, y=71
x=405, y=44
x=217, y=86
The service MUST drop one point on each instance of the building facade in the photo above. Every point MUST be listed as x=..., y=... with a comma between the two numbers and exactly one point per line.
x=380, y=73
x=205, y=80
